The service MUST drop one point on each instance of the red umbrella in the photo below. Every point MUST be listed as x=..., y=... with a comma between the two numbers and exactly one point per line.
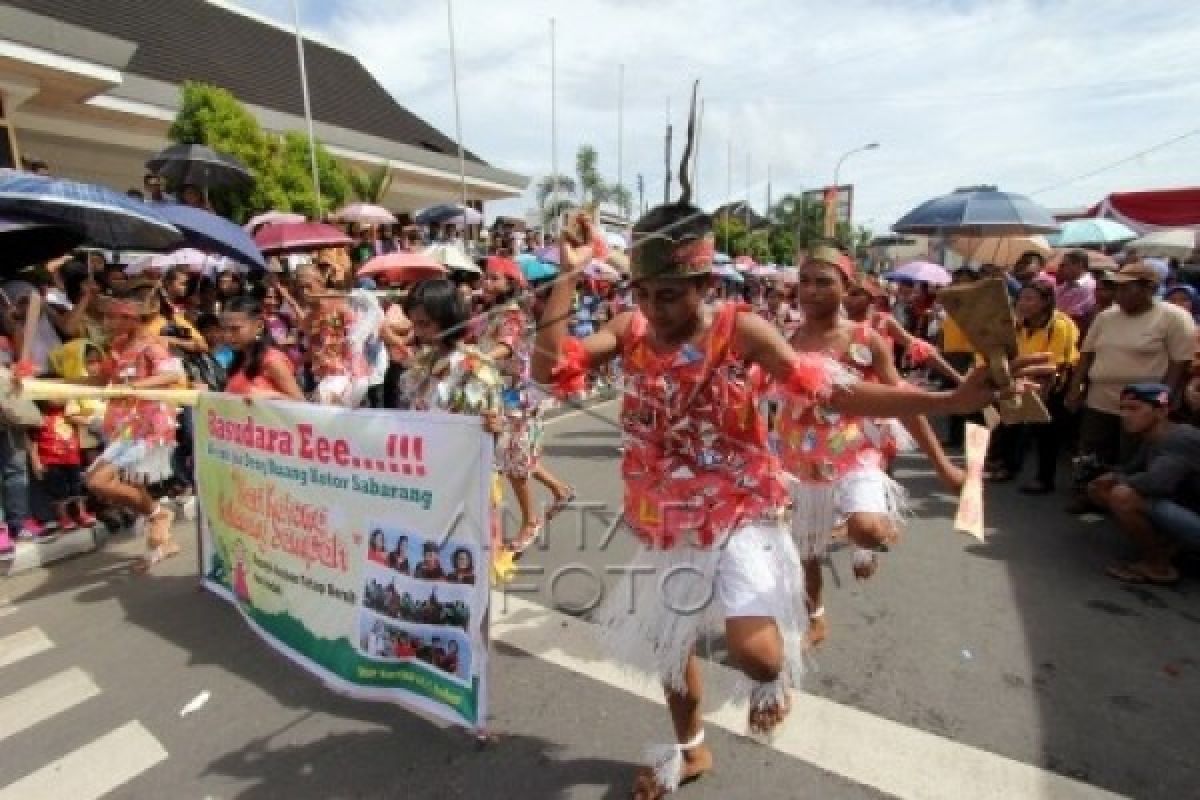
x=402, y=268
x=284, y=236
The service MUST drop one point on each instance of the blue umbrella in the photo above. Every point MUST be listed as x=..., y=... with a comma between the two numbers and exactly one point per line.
x=103, y=217
x=534, y=269
x=1091, y=232
x=979, y=211
x=206, y=231
x=444, y=213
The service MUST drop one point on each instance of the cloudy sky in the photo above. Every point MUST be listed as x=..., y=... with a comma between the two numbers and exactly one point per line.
x=1030, y=95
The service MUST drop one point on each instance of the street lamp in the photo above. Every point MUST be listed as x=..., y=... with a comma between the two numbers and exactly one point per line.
x=838, y=169
x=831, y=194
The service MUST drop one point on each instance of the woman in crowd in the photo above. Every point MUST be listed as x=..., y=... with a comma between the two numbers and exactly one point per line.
x=505, y=340
x=377, y=548
x=1041, y=328
x=259, y=369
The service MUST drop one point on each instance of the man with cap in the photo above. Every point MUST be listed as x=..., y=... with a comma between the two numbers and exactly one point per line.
x=1154, y=497
x=1138, y=340
x=702, y=489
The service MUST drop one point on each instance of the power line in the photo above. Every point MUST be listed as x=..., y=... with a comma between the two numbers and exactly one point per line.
x=1120, y=162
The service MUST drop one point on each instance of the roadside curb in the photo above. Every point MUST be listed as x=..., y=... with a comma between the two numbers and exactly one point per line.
x=31, y=555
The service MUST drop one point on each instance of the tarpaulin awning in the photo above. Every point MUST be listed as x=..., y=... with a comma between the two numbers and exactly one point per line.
x=1153, y=209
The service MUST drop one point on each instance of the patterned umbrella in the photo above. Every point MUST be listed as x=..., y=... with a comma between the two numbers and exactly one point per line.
x=103, y=217
x=1176, y=243
x=1003, y=251
x=292, y=236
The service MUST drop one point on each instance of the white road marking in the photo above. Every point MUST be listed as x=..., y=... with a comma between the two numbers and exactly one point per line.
x=587, y=410
x=23, y=644
x=93, y=770
x=872, y=751
x=44, y=699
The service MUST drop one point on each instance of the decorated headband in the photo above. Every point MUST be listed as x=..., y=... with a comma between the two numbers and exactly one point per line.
x=824, y=254
x=675, y=240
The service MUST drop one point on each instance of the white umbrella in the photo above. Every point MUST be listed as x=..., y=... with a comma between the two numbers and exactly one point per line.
x=452, y=257
x=1176, y=243
x=365, y=214
x=194, y=260
x=272, y=217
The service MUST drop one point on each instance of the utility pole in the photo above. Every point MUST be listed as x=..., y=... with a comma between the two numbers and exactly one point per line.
x=554, y=124
x=308, y=116
x=641, y=184
x=621, y=126
x=667, y=158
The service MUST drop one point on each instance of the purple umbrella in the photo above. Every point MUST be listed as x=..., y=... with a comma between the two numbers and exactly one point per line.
x=547, y=254
x=925, y=272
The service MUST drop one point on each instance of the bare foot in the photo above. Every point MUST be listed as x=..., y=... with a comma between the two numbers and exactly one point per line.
x=696, y=761
x=155, y=555
x=763, y=721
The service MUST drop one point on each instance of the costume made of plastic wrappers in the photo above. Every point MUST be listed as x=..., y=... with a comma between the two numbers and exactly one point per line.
x=139, y=434
x=703, y=490
x=337, y=334
x=519, y=443
x=837, y=462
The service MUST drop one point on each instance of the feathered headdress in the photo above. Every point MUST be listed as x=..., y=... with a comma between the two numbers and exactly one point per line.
x=675, y=240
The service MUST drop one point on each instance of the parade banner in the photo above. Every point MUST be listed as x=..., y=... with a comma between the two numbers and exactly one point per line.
x=355, y=543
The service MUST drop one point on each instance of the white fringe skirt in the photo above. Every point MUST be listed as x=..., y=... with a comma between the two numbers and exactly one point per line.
x=138, y=462
x=818, y=508
x=667, y=598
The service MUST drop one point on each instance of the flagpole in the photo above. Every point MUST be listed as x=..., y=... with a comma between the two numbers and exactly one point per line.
x=462, y=161
x=621, y=125
x=554, y=124
x=312, y=139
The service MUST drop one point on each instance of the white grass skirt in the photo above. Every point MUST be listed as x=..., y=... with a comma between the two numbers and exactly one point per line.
x=818, y=508
x=341, y=390
x=137, y=462
x=666, y=598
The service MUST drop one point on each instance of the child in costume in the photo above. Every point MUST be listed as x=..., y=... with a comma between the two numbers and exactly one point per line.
x=702, y=489
x=506, y=342
x=140, y=434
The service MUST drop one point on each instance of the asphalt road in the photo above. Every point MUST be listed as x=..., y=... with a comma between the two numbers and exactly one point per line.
x=1017, y=652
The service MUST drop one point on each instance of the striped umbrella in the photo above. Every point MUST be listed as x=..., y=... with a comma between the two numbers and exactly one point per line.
x=105, y=218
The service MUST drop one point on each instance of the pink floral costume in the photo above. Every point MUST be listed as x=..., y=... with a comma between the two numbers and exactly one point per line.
x=836, y=460
x=336, y=354
x=703, y=495
x=518, y=445
x=140, y=434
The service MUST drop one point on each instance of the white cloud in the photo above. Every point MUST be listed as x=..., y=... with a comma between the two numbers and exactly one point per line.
x=1022, y=94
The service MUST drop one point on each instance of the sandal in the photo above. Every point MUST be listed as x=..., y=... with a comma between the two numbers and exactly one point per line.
x=155, y=556
x=559, y=506
x=1136, y=573
x=530, y=534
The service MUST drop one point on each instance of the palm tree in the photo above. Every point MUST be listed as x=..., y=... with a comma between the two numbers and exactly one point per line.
x=370, y=187
x=548, y=187
x=621, y=197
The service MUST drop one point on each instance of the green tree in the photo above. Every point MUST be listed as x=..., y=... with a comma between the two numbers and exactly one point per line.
x=730, y=235
x=550, y=209
x=295, y=176
x=621, y=197
x=370, y=187
x=213, y=117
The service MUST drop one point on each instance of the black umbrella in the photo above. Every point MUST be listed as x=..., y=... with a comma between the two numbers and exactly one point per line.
x=24, y=243
x=978, y=211
x=199, y=165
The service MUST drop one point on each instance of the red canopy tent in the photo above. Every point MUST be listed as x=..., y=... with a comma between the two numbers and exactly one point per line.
x=1152, y=210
